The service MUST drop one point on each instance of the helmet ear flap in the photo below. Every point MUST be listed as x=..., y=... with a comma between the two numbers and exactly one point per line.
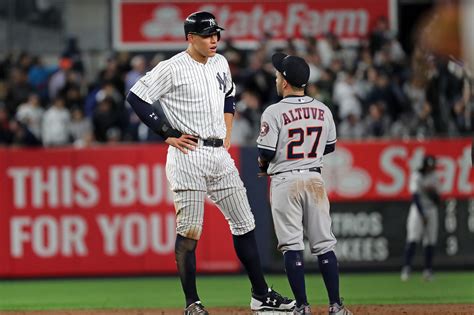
x=218, y=36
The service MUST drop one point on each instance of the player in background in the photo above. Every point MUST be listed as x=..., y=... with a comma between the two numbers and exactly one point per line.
x=196, y=92
x=422, y=221
x=294, y=135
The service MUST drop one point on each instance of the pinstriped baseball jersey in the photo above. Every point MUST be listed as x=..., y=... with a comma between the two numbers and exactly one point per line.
x=191, y=93
x=297, y=129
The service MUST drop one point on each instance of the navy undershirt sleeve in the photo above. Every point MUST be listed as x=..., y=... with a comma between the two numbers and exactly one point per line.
x=145, y=112
x=329, y=148
x=229, y=105
x=266, y=155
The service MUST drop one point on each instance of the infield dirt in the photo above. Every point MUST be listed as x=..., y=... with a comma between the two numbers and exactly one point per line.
x=399, y=309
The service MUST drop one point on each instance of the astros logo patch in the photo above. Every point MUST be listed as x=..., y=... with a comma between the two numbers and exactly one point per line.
x=264, y=129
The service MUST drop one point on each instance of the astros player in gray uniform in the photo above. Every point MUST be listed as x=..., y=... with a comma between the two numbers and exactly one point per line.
x=422, y=221
x=295, y=134
x=196, y=92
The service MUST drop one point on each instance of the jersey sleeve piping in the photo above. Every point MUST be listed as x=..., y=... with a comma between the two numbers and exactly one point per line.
x=266, y=147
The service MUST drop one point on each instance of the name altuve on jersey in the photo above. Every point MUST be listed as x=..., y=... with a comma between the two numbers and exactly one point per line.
x=303, y=113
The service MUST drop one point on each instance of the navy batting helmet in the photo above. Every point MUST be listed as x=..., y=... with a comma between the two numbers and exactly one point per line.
x=201, y=23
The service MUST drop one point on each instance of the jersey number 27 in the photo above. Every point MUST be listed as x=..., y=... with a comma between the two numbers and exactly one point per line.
x=301, y=135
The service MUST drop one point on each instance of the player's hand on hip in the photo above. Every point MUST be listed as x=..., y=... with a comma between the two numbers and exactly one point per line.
x=227, y=143
x=183, y=143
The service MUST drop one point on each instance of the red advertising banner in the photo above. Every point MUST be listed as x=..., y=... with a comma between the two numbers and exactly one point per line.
x=97, y=211
x=108, y=210
x=158, y=25
x=380, y=170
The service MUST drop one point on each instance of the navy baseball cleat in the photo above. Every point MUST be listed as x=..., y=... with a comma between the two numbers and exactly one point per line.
x=195, y=309
x=272, y=301
x=336, y=309
x=302, y=310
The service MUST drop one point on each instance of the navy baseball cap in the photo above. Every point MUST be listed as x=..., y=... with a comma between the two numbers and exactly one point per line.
x=294, y=69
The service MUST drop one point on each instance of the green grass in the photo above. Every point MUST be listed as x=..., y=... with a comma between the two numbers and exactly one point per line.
x=165, y=292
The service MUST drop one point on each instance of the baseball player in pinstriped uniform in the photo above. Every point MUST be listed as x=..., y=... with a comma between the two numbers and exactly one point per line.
x=196, y=92
x=422, y=221
x=295, y=134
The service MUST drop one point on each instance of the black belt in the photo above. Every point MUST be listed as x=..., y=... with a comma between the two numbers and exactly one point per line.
x=211, y=142
x=312, y=169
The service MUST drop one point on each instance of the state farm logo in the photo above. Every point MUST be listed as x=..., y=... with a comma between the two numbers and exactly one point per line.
x=342, y=177
x=166, y=22
x=387, y=169
x=249, y=20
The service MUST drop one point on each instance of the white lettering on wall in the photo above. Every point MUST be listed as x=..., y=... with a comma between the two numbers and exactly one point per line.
x=47, y=236
x=136, y=233
x=389, y=167
x=299, y=17
x=53, y=187
x=132, y=184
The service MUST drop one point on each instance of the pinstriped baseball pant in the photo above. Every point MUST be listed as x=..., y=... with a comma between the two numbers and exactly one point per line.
x=207, y=171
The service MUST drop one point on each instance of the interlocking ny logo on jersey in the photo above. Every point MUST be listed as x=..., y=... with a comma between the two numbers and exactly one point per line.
x=222, y=81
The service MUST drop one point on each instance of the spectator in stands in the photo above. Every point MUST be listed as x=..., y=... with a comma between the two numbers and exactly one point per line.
x=139, y=67
x=6, y=134
x=59, y=78
x=322, y=95
x=377, y=123
x=72, y=96
x=18, y=90
x=73, y=53
x=109, y=90
x=379, y=35
x=21, y=135
x=112, y=75
x=351, y=128
x=30, y=114
x=107, y=115
x=386, y=91
x=113, y=135
x=250, y=108
x=55, y=127
x=258, y=78
x=38, y=77
x=345, y=95
x=243, y=132
x=314, y=61
x=423, y=124
x=80, y=127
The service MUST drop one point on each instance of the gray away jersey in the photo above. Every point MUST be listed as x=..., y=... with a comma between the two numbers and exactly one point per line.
x=191, y=93
x=297, y=129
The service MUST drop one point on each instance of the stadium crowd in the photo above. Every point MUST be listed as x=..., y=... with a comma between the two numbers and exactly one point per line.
x=374, y=89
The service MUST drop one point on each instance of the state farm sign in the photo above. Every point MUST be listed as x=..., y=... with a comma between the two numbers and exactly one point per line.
x=380, y=170
x=159, y=25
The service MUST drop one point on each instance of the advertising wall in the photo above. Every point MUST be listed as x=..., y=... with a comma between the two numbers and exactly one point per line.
x=108, y=210
x=97, y=211
x=145, y=25
x=368, y=184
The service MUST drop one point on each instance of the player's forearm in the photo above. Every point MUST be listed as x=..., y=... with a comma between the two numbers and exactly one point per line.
x=229, y=119
x=147, y=114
